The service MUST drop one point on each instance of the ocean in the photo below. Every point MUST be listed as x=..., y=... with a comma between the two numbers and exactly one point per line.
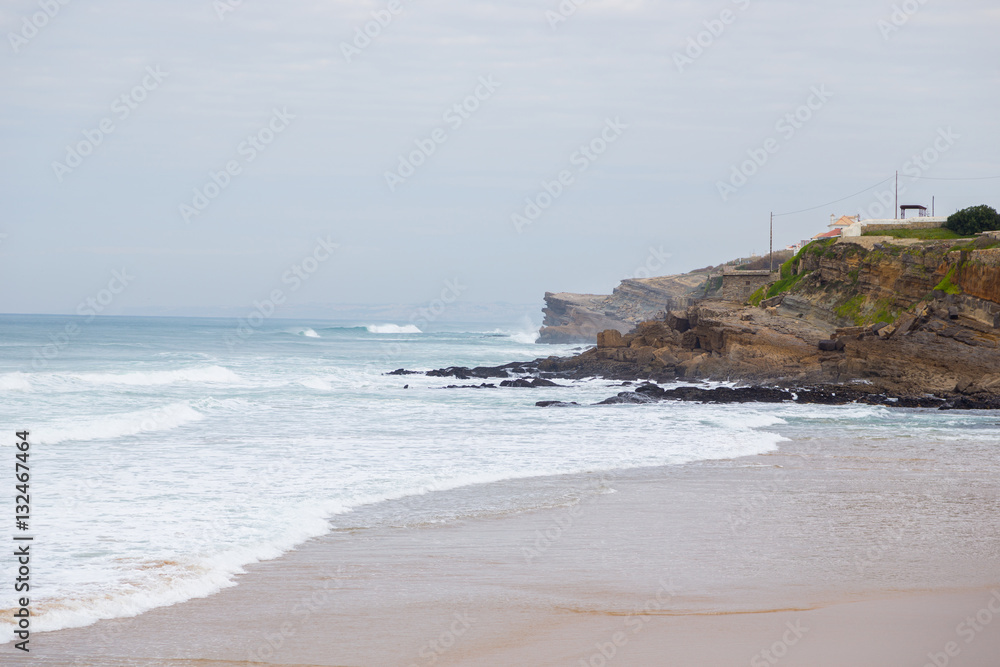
x=167, y=454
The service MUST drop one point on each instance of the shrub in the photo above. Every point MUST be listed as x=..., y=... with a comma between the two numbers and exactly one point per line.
x=973, y=220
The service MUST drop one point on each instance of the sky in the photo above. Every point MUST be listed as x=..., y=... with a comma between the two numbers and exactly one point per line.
x=205, y=154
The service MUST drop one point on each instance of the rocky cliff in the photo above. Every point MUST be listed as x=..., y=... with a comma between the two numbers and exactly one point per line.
x=907, y=317
x=577, y=318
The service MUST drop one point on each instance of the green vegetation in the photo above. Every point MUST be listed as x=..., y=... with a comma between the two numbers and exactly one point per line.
x=934, y=234
x=973, y=220
x=784, y=285
x=946, y=285
x=851, y=309
x=818, y=247
x=785, y=270
x=774, y=289
x=883, y=312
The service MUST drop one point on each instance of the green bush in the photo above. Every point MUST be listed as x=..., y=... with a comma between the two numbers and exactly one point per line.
x=973, y=220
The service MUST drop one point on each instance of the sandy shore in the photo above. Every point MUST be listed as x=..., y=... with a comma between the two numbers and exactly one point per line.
x=822, y=554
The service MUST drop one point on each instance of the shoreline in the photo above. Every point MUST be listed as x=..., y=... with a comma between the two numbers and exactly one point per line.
x=843, y=540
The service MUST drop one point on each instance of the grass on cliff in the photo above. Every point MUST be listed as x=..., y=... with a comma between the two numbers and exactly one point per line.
x=933, y=234
x=788, y=279
x=776, y=288
x=946, y=285
x=854, y=310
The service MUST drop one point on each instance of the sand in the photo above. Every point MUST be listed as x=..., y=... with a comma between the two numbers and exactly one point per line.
x=821, y=554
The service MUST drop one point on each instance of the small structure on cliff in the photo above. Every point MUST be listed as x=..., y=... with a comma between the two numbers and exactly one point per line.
x=843, y=221
x=740, y=285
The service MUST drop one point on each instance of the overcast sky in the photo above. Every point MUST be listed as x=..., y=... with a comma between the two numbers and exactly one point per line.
x=672, y=95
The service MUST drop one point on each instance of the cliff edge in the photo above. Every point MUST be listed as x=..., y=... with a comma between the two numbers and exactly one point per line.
x=577, y=318
x=902, y=316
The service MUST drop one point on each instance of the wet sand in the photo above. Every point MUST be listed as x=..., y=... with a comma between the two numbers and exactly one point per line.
x=820, y=554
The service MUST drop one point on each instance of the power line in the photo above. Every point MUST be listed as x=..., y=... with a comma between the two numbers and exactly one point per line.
x=975, y=178
x=778, y=215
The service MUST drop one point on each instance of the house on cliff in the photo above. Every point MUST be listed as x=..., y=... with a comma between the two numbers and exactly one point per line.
x=843, y=221
x=832, y=234
x=740, y=285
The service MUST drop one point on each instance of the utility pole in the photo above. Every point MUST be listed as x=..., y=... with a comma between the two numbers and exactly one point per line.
x=895, y=212
x=770, y=253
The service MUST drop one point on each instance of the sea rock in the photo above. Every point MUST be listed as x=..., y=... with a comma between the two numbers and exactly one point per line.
x=627, y=397
x=529, y=383
x=610, y=338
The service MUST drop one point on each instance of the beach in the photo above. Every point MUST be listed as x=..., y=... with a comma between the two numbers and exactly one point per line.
x=849, y=551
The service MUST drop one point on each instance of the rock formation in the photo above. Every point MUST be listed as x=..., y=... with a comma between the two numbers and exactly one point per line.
x=577, y=318
x=909, y=318
x=872, y=319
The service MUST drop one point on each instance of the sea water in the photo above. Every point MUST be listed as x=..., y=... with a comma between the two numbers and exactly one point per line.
x=169, y=453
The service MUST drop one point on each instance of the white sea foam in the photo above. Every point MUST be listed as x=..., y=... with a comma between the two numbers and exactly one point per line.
x=316, y=383
x=207, y=374
x=525, y=337
x=393, y=329
x=119, y=425
x=14, y=382
x=308, y=333
x=165, y=583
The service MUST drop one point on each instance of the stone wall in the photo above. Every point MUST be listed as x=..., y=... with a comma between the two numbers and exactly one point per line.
x=739, y=286
x=920, y=222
